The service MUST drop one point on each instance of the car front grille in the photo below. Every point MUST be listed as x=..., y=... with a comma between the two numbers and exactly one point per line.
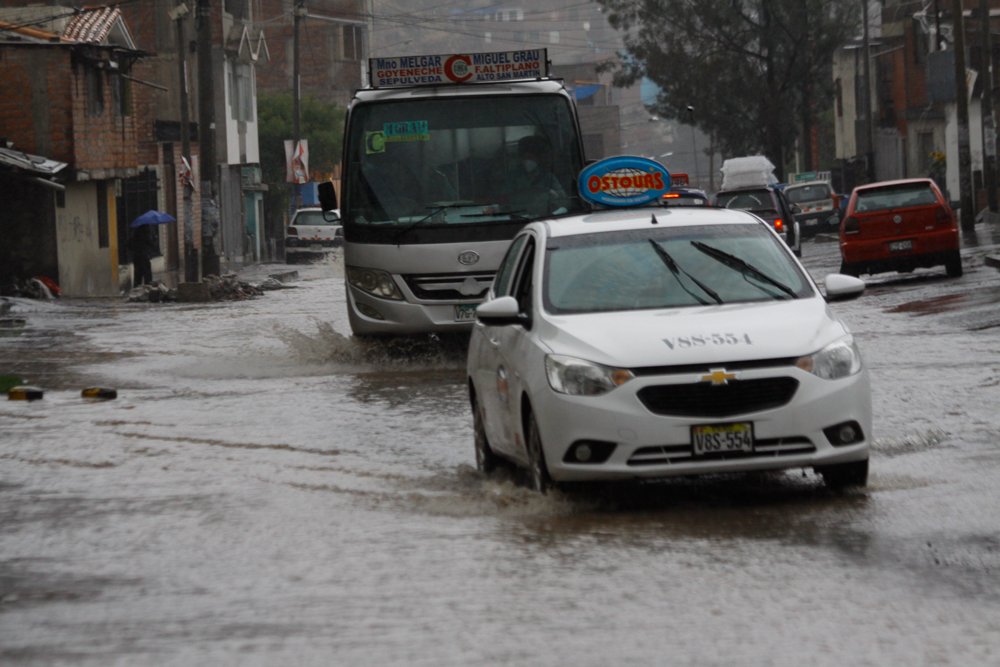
x=763, y=449
x=707, y=400
x=449, y=286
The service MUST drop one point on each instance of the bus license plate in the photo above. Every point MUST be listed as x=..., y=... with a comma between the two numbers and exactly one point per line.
x=465, y=312
x=722, y=438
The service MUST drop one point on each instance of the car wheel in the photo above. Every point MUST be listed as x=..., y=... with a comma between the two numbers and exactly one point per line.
x=954, y=265
x=849, y=269
x=844, y=475
x=486, y=460
x=538, y=472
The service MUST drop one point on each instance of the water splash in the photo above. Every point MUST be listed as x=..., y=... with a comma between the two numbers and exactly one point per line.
x=328, y=345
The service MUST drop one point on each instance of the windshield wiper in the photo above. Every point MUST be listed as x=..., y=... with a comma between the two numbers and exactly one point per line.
x=735, y=263
x=677, y=271
x=435, y=209
x=514, y=215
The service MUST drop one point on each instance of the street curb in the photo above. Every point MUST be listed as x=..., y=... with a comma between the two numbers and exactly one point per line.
x=284, y=276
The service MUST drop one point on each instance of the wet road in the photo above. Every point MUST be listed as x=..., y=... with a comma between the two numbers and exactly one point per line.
x=267, y=491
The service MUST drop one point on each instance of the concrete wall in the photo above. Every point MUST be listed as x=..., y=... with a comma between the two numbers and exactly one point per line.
x=85, y=269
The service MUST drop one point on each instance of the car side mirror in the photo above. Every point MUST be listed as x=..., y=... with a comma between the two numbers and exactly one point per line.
x=842, y=288
x=796, y=209
x=327, y=195
x=500, y=312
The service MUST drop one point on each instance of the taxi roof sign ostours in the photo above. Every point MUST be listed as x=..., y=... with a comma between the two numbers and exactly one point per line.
x=625, y=180
x=487, y=67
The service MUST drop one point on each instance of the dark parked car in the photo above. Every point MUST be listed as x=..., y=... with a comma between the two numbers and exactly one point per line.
x=769, y=203
x=899, y=226
x=819, y=206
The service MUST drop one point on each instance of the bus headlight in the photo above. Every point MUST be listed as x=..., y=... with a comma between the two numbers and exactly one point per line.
x=374, y=282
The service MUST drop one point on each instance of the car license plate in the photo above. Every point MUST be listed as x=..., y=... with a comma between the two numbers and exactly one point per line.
x=897, y=246
x=465, y=312
x=722, y=438
x=316, y=246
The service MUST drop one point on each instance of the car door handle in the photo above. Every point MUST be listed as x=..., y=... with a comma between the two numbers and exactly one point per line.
x=495, y=342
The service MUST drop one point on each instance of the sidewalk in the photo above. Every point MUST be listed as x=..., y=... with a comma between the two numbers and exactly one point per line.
x=985, y=239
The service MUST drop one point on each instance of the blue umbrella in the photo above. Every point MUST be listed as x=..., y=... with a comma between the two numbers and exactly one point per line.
x=152, y=217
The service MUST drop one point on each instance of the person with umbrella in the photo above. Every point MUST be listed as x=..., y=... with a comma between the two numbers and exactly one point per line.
x=145, y=244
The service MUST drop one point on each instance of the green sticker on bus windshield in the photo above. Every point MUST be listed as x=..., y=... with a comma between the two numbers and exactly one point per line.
x=374, y=142
x=407, y=130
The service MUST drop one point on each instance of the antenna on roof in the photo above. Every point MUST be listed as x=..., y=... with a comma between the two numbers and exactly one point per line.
x=654, y=220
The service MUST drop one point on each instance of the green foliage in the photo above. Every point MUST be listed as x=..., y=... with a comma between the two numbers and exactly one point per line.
x=750, y=68
x=322, y=124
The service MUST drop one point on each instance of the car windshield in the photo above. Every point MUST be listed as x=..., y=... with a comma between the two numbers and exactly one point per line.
x=749, y=200
x=616, y=271
x=803, y=193
x=502, y=159
x=895, y=196
x=316, y=218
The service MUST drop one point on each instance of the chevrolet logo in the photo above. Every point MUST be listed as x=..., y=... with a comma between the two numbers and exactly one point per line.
x=718, y=377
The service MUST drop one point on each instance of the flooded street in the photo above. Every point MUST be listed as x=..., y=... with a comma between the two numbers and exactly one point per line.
x=267, y=490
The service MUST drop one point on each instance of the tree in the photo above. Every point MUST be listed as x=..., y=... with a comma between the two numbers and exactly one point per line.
x=756, y=70
x=322, y=125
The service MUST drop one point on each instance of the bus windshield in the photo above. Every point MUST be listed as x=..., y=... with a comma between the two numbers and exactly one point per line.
x=489, y=159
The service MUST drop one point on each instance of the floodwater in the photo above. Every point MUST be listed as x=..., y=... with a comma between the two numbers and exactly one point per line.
x=265, y=490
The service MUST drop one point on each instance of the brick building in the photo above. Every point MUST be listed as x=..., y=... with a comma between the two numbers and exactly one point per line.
x=333, y=45
x=66, y=95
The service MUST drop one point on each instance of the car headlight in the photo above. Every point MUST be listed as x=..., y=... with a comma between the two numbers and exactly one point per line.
x=839, y=359
x=377, y=283
x=569, y=375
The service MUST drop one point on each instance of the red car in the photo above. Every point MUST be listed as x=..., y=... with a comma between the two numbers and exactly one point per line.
x=899, y=226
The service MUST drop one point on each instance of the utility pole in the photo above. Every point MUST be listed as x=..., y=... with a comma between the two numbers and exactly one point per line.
x=190, y=252
x=694, y=144
x=967, y=216
x=300, y=10
x=867, y=91
x=206, y=137
x=989, y=122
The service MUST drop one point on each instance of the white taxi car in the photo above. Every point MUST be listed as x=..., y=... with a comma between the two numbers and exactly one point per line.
x=640, y=342
x=312, y=233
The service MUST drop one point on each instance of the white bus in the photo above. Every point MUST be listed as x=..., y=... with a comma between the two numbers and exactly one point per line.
x=445, y=159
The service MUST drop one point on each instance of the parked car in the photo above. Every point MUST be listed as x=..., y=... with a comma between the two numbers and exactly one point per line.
x=819, y=206
x=311, y=233
x=768, y=203
x=899, y=226
x=625, y=345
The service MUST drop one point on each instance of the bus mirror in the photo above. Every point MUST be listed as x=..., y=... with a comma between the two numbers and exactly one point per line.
x=327, y=195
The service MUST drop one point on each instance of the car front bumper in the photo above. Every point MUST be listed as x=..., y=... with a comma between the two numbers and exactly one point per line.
x=648, y=445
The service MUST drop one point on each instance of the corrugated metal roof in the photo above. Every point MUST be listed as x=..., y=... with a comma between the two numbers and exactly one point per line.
x=35, y=164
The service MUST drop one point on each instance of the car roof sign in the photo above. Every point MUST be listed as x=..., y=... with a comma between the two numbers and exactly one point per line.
x=458, y=68
x=624, y=180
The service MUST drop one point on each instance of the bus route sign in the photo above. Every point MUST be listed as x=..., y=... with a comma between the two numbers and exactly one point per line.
x=402, y=71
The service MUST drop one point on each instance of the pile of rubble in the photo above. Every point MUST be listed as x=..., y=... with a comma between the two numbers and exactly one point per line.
x=211, y=288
